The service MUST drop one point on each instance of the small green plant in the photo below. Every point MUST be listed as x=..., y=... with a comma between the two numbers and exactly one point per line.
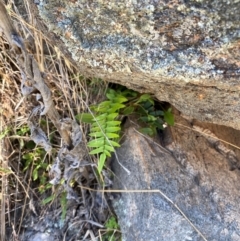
x=143, y=106
x=112, y=227
x=105, y=128
x=4, y=133
x=105, y=124
x=39, y=173
x=23, y=130
x=48, y=199
x=34, y=156
x=63, y=201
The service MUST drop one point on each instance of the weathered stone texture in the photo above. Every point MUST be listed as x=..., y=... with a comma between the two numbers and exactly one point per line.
x=194, y=175
x=185, y=52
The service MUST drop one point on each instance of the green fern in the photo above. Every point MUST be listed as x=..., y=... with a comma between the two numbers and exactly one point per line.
x=105, y=128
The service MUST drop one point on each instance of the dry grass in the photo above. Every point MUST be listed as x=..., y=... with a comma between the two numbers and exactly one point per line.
x=72, y=94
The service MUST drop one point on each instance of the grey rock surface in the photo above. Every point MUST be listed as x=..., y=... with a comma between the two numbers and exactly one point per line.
x=184, y=52
x=191, y=172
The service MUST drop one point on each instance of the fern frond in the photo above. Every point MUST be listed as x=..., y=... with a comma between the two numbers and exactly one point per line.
x=105, y=127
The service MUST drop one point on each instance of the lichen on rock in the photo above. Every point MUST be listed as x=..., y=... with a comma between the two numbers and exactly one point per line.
x=151, y=35
x=149, y=45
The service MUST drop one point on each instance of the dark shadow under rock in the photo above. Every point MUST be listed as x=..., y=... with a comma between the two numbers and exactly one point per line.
x=191, y=172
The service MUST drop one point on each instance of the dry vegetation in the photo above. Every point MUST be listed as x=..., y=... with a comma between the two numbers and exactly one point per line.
x=24, y=166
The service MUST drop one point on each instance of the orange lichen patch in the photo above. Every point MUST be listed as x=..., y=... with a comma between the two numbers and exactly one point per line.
x=201, y=96
x=68, y=34
x=60, y=9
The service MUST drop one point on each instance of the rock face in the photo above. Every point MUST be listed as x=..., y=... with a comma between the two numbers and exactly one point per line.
x=184, y=52
x=192, y=172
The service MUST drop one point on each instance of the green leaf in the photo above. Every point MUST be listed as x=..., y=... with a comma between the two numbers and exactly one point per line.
x=130, y=93
x=101, y=134
x=97, y=151
x=63, y=202
x=96, y=134
x=112, y=116
x=85, y=117
x=47, y=200
x=113, y=143
x=115, y=107
x=144, y=118
x=112, y=135
x=120, y=99
x=128, y=110
x=113, y=123
x=115, y=97
x=140, y=110
x=110, y=96
x=96, y=129
x=168, y=117
x=147, y=105
x=111, y=93
x=99, y=123
x=148, y=118
x=101, y=117
x=109, y=148
x=148, y=131
x=23, y=130
x=93, y=108
x=103, y=107
x=107, y=153
x=101, y=162
x=35, y=173
x=151, y=118
x=157, y=113
x=96, y=142
x=145, y=97
x=113, y=129
x=98, y=126
x=105, y=104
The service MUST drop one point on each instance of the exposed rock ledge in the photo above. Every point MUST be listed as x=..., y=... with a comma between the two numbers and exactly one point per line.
x=185, y=52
